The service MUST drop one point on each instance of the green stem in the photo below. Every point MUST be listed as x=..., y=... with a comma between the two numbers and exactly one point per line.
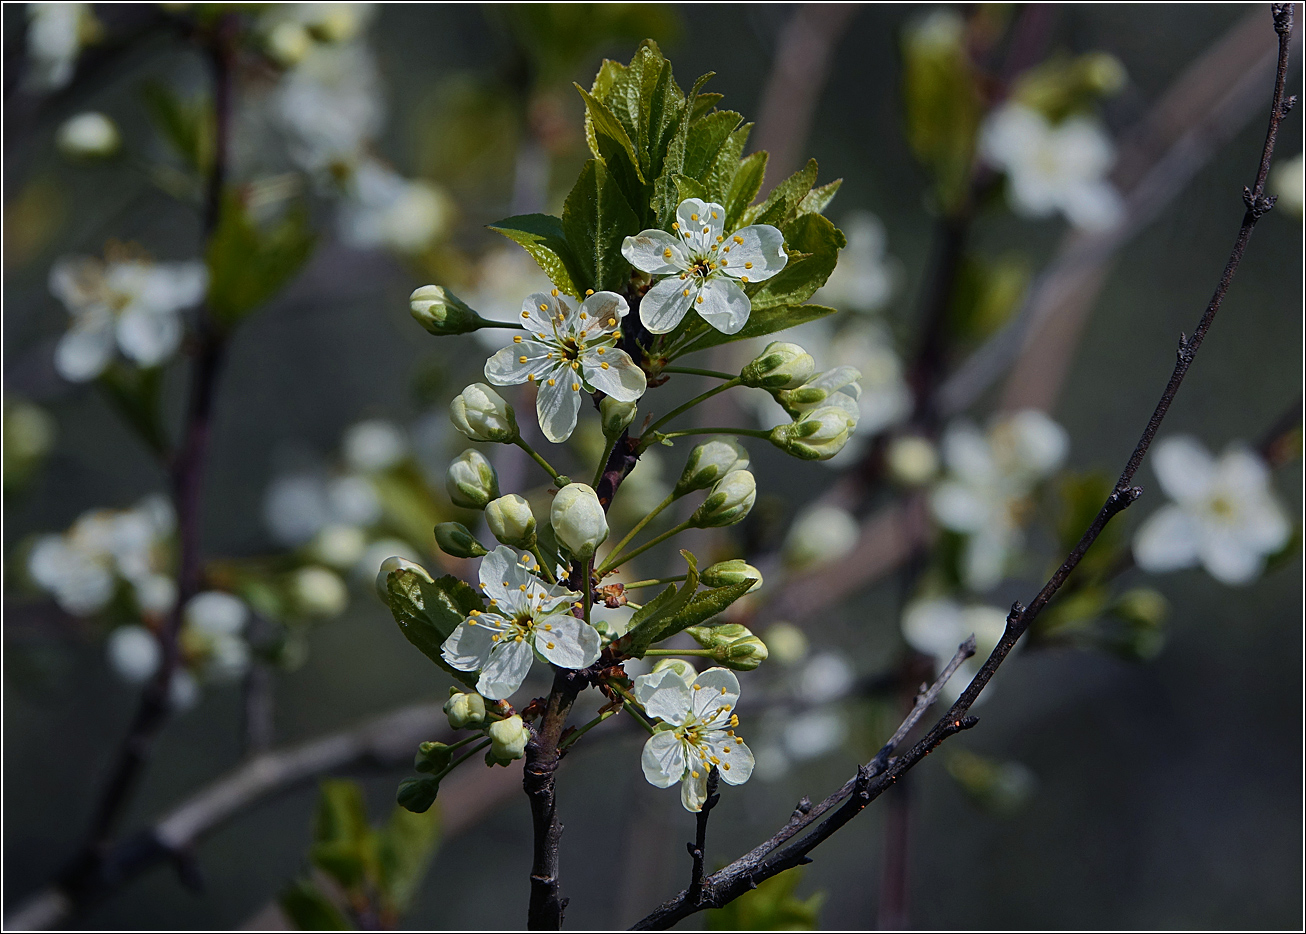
x=465, y=740
x=544, y=567
x=589, y=726
x=603, y=462
x=632, y=706
x=557, y=477
x=749, y=432
x=487, y=323
x=680, y=410
x=658, y=653
x=635, y=606
x=461, y=759
x=653, y=583
x=639, y=525
x=588, y=588
x=614, y=560
x=694, y=371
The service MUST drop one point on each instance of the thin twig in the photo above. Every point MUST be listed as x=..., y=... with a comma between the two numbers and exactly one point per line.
x=697, y=849
x=769, y=859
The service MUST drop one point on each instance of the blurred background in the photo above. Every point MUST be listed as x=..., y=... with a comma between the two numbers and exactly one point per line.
x=1140, y=766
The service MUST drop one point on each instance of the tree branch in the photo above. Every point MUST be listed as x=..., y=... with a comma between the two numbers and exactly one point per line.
x=768, y=859
x=697, y=849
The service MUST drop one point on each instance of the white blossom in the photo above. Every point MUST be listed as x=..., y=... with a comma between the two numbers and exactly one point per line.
x=702, y=724
x=329, y=105
x=1288, y=181
x=866, y=275
x=566, y=350
x=381, y=208
x=88, y=135
x=825, y=677
x=503, y=276
x=814, y=733
x=55, y=34
x=937, y=627
x=1224, y=515
x=821, y=534
x=299, y=506
x=703, y=269
x=525, y=616
x=1049, y=168
x=372, y=445
x=130, y=303
x=212, y=638
x=985, y=496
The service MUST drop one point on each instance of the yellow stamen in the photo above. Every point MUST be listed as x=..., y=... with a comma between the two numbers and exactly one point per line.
x=694, y=774
x=554, y=293
x=521, y=359
x=726, y=766
x=517, y=339
x=530, y=377
x=604, y=365
x=602, y=350
x=519, y=638
x=551, y=382
x=676, y=225
x=548, y=627
x=714, y=215
x=612, y=322
x=737, y=239
x=667, y=253
x=699, y=299
x=693, y=217
x=589, y=291
x=698, y=687
x=575, y=387
x=686, y=292
x=743, y=278
x=525, y=314
x=748, y=265
x=550, y=645
x=726, y=750
x=544, y=308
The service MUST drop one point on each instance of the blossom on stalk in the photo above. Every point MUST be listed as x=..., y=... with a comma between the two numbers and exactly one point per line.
x=1224, y=515
x=701, y=734
x=985, y=497
x=1049, y=168
x=526, y=616
x=565, y=350
x=704, y=269
x=128, y=302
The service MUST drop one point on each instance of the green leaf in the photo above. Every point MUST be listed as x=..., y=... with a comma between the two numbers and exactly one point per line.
x=818, y=242
x=665, y=190
x=704, y=103
x=772, y=906
x=781, y=206
x=743, y=188
x=686, y=187
x=704, y=606
x=247, y=264
x=309, y=910
x=609, y=134
x=543, y=238
x=818, y=199
x=706, y=137
x=134, y=392
x=343, y=845
x=647, y=623
x=428, y=612
x=726, y=164
x=405, y=847
x=762, y=322
x=596, y=219
x=186, y=125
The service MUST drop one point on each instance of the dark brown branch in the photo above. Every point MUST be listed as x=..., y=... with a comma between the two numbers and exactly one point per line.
x=697, y=849
x=769, y=859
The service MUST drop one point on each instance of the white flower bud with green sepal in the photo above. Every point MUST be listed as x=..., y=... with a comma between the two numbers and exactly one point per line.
x=728, y=502
x=578, y=519
x=709, y=462
x=511, y=521
x=471, y=480
x=725, y=573
x=821, y=433
x=780, y=366
x=508, y=740
x=680, y=666
x=482, y=415
x=465, y=711
x=396, y=563
x=441, y=312
x=616, y=416
x=731, y=644
x=813, y=393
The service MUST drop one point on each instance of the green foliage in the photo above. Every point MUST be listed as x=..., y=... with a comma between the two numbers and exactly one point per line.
x=134, y=392
x=185, y=125
x=762, y=322
x=248, y=264
x=310, y=910
x=543, y=238
x=702, y=607
x=647, y=625
x=814, y=244
x=343, y=845
x=942, y=104
x=1065, y=85
x=781, y=205
x=560, y=37
x=772, y=906
x=992, y=785
x=596, y=220
x=428, y=612
x=1081, y=498
x=406, y=845
x=987, y=293
x=29, y=433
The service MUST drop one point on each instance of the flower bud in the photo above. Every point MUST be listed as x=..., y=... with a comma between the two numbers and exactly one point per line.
x=511, y=520
x=482, y=415
x=725, y=573
x=89, y=135
x=389, y=566
x=432, y=757
x=817, y=436
x=465, y=711
x=441, y=312
x=319, y=592
x=732, y=645
x=616, y=416
x=454, y=539
x=417, y=794
x=680, y=666
x=471, y=481
x=507, y=740
x=730, y=500
x=709, y=462
x=819, y=388
x=578, y=519
x=912, y=460
x=779, y=366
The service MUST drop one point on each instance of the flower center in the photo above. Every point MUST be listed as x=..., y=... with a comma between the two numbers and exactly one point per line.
x=1222, y=508
x=570, y=348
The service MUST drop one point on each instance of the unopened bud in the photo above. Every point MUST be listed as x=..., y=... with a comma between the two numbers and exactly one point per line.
x=482, y=415
x=417, y=794
x=728, y=502
x=1142, y=606
x=820, y=388
x=733, y=645
x=396, y=563
x=912, y=460
x=465, y=711
x=441, y=312
x=730, y=572
x=507, y=740
x=433, y=757
x=818, y=435
x=578, y=519
x=780, y=366
x=471, y=480
x=319, y=592
x=454, y=539
x=709, y=462
x=616, y=416
x=511, y=521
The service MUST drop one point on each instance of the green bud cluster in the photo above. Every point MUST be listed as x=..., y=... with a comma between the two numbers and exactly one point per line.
x=482, y=415
x=729, y=501
x=732, y=645
x=780, y=366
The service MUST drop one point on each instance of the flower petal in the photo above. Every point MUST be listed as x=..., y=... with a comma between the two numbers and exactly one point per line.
x=722, y=303
x=933, y=627
x=736, y=758
x=663, y=760
x=664, y=305
x=148, y=337
x=693, y=790
x=701, y=222
x=648, y=251
x=756, y=253
x=570, y=643
x=1166, y=541
x=665, y=695
x=541, y=311
x=985, y=558
x=86, y=349
x=960, y=507
x=557, y=403
x=1184, y=468
x=517, y=363
x=507, y=669
x=605, y=308
x=615, y=374
x=712, y=690
x=1229, y=559
x=496, y=573
x=468, y=646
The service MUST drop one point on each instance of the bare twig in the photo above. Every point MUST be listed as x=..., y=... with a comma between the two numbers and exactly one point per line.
x=769, y=859
x=697, y=849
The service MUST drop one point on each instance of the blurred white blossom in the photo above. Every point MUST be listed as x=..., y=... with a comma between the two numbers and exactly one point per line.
x=504, y=276
x=1049, y=168
x=1288, y=181
x=129, y=302
x=937, y=627
x=374, y=444
x=1224, y=516
x=383, y=209
x=329, y=106
x=866, y=276
x=369, y=564
x=291, y=30
x=985, y=495
x=814, y=733
x=56, y=33
x=820, y=534
x=212, y=635
x=825, y=677
x=298, y=506
x=89, y=135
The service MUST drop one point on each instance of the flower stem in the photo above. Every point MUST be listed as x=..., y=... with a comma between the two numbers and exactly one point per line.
x=614, y=561
x=589, y=726
x=461, y=759
x=544, y=567
x=632, y=706
x=557, y=477
x=487, y=323
x=661, y=653
x=653, y=583
x=694, y=371
x=588, y=590
x=680, y=410
x=639, y=525
x=603, y=462
x=749, y=432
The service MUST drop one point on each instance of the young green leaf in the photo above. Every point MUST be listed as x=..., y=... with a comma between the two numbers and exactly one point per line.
x=596, y=219
x=702, y=607
x=781, y=206
x=706, y=137
x=818, y=199
x=815, y=244
x=247, y=264
x=543, y=238
x=405, y=847
x=761, y=322
x=343, y=843
x=309, y=910
x=186, y=126
x=743, y=188
x=647, y=623
x=428, y=612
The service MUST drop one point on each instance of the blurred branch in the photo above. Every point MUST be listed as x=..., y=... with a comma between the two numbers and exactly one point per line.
x=769, y=859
